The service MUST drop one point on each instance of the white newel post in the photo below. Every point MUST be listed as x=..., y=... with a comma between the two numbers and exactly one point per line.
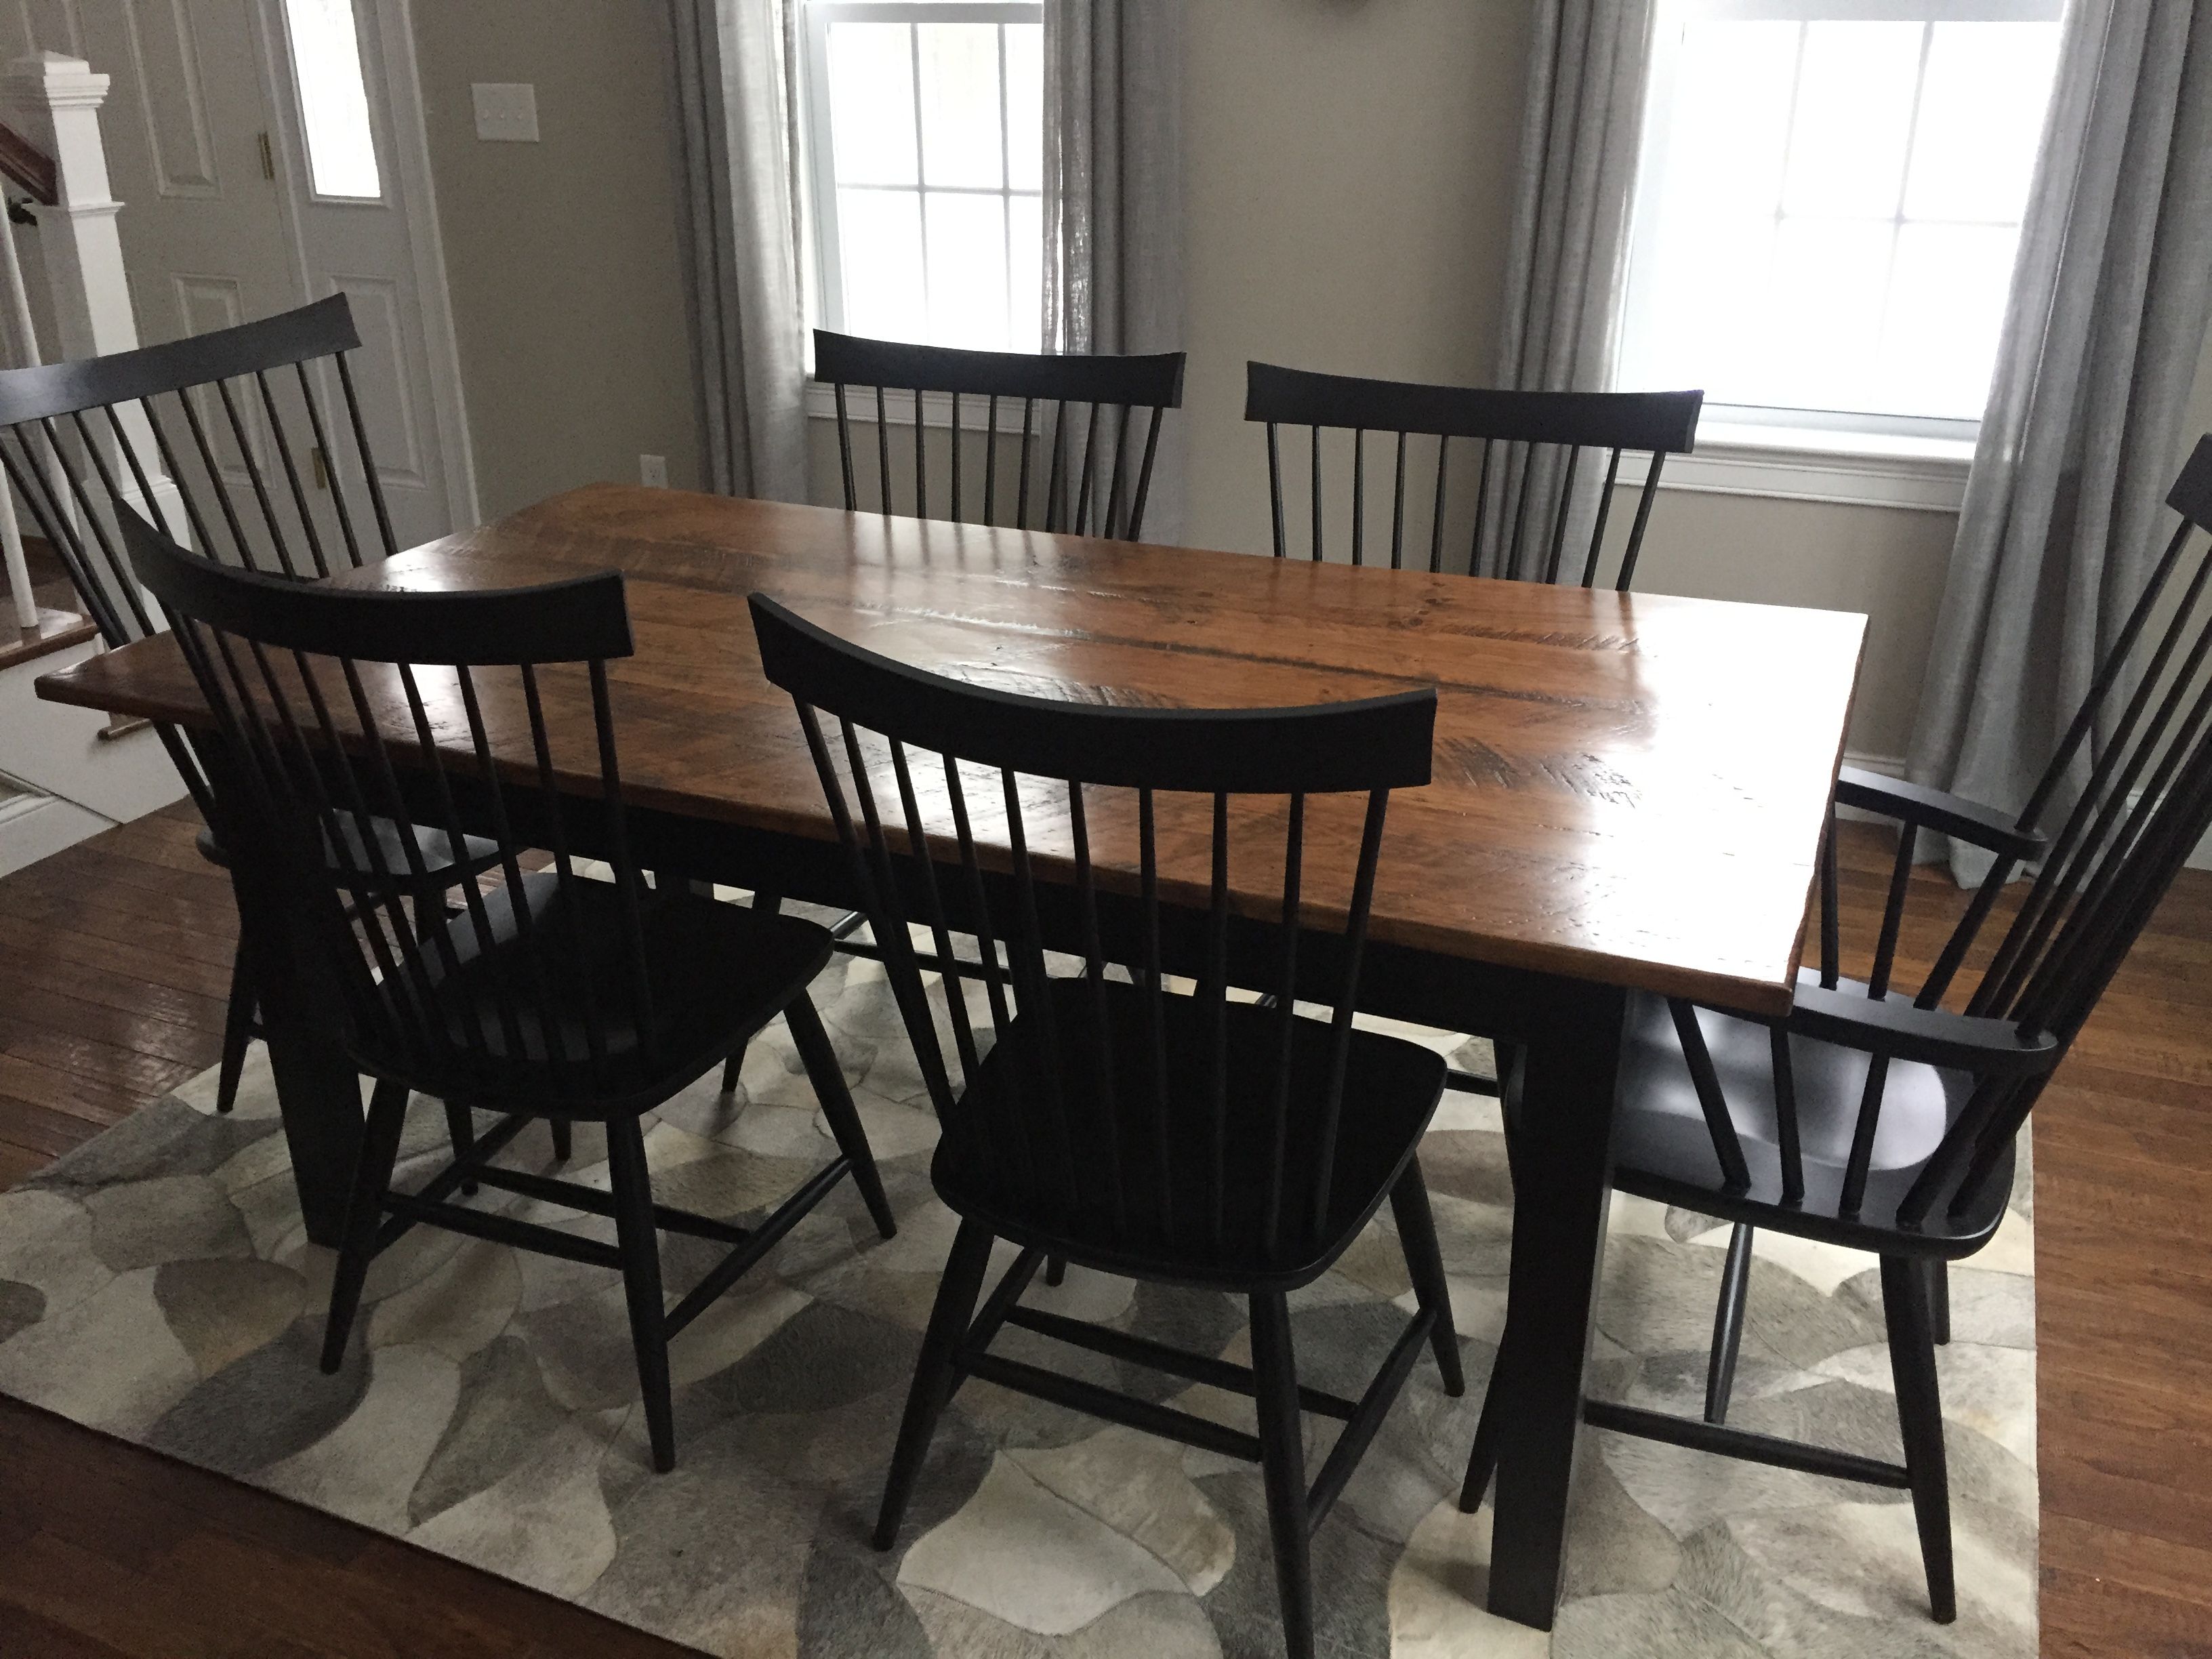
x=57, y=100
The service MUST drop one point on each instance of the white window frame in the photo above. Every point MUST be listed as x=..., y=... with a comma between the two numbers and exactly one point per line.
x=1825, y=455
x=820, y=161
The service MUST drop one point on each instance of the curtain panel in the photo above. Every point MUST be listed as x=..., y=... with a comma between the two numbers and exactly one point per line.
x=736, y=72
x=2111, y=294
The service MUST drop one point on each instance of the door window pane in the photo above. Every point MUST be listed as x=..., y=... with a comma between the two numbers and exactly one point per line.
x=333, y=99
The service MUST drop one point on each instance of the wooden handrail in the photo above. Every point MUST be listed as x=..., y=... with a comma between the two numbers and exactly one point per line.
x=28, y=165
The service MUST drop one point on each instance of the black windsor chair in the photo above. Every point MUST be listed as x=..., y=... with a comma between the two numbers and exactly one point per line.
x=553, y=994
x=1091, y=486
x=1529, y=449
x=214, y=417
x=1532, y=445
x=1088, y=464
x=1887, y=1124
x=1183, y=1139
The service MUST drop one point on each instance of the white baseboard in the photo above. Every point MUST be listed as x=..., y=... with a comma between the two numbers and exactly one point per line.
x=32, y=826
x=1892, y=766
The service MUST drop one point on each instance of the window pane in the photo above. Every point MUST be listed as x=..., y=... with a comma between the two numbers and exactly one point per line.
x=1854, y=108
x=1733, y=93
x=1025, y=105
x=880, y=233
x=1823, y=316
x=1025, y=264
x=1981, y=116
x=871, y=103
x=333, y=98
x=1711, y=296
x=967, y=270
x=1831, y=227
x=1947, y=303
x=961, y=137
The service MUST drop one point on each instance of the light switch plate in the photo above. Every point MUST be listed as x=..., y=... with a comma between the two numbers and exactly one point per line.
x=506, y=110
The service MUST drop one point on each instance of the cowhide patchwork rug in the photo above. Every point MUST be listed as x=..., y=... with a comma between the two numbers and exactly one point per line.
x=156, y=1284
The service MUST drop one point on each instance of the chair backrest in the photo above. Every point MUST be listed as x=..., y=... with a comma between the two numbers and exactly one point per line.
x=2147, y=804
x=235, y=422
x=339, y=714
x=1530, y=454
x=2146, y=720
x=1100, y=797
x=1091, y=486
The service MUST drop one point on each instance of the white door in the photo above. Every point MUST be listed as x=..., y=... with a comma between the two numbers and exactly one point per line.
x=267, y=153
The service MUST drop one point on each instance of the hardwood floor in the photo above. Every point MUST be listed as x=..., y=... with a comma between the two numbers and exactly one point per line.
x=114, y=962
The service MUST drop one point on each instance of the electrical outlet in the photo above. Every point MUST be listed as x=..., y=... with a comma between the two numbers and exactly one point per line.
x=652, y=471
x=506, y=110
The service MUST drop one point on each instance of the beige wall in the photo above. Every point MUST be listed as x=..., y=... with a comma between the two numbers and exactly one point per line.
x=1347, y=199
x=563, y=256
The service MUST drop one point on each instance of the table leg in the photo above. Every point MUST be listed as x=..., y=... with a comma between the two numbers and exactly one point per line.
x=317, y=1090
x=1563, y=1175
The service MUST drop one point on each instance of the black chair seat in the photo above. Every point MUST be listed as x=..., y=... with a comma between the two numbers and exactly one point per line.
x=433, y=847
x=717, y=972
x=1665, y=1149
x=1390, y=1091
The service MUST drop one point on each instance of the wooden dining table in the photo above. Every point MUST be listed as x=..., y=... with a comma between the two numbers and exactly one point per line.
x=1629, y=794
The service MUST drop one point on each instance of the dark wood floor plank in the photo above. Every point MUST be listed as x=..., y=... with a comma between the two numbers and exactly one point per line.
x=32, y=941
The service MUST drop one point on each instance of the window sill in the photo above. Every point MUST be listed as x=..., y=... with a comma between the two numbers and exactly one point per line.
x=1858, y=468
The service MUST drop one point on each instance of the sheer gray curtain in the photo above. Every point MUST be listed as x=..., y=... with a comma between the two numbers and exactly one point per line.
x=736, y=69
x=2111, y=297
x=1568, y=256
x=1113, y=194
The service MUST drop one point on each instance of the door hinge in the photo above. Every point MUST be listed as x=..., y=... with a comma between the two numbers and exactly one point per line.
x=322, y=467
x=268, y=156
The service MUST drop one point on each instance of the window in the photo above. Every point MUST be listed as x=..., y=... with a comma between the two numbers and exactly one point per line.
x=1828, y=203
x=333, y=99
x=927, y=123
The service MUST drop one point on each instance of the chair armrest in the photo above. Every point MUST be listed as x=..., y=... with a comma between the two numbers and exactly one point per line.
x=1934, y=1036
x=1936, y=808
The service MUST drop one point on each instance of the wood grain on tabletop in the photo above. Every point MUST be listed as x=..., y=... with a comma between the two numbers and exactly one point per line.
x=1626, y=787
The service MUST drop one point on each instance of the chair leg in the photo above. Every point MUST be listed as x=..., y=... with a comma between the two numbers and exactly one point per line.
x=1939, y=1300
x=733, y=1069
x=1727, y=1323
x=372, y=1178
x=564, y=1138
x=1489, y=1429
x=816, y=1053
x=1920, y=1414
x=1056, y=1270
x=935, y=1372
x=461, y=1130
x=237, y=1033
x=1425, y=1265
x=640, y=1244
x=1283, y=1464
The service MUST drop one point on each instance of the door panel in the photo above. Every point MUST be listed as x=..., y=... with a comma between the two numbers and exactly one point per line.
x=221, y=224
